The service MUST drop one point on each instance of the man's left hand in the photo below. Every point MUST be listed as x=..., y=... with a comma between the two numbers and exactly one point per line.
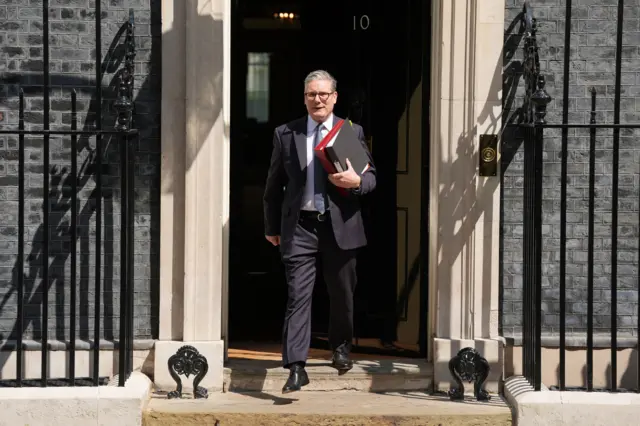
x=347, y=179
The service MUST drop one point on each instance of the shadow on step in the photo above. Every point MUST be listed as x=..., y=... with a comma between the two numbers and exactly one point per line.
x=277, y=400
x=264, y=378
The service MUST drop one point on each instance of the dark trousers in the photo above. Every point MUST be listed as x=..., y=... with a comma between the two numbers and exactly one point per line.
x=313, y=239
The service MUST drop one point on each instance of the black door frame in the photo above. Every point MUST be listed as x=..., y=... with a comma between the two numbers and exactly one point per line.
x=427, y=25
x=427, y=35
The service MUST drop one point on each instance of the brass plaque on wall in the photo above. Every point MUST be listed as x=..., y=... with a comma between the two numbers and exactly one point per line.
x=488, y=155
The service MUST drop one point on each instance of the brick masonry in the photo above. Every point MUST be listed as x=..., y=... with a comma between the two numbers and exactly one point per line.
x=72, y=66
x=592, y=64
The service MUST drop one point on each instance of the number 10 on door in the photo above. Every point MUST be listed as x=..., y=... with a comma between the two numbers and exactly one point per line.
x=361, y=22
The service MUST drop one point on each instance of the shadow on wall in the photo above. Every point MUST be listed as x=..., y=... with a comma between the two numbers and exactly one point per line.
x=146, y=216
x=511, y=138
x=469, y=199
x=209, y=86
x=194, y=122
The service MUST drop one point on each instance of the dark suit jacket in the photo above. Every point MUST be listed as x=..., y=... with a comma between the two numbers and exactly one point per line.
x=285, y=187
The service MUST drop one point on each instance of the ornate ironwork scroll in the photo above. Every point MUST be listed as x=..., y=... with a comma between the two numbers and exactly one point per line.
x=470, y=366
x=188, y=361
x=536, y=97
x=124, y=102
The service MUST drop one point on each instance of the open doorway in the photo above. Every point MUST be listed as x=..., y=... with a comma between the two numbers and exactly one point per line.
x=380, y=58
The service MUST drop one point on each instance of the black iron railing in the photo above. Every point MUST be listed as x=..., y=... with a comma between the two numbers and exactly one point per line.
x=127, y=137
x=533, y=125
x=533, y=114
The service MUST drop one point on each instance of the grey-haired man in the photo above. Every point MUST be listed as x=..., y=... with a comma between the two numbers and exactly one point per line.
x=307, y=216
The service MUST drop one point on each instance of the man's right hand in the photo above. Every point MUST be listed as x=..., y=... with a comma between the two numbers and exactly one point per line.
x=273, y=239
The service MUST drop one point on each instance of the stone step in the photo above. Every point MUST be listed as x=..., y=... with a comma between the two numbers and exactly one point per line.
x=325, y=408
x=383, y=375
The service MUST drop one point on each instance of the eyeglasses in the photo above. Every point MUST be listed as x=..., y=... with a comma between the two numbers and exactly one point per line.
x=322, y=95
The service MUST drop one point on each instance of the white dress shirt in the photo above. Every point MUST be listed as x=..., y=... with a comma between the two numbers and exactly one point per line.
x=308, y=195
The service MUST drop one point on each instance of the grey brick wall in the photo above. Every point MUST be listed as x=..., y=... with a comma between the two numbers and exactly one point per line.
x=72, y=66
x=592, y=65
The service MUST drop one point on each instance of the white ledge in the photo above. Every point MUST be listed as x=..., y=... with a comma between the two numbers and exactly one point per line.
x=69, y=406
x=569, y=408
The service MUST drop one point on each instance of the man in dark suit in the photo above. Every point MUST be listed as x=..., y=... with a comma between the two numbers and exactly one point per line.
x=308, y=217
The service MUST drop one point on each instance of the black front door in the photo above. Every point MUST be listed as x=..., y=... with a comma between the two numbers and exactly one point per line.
x=376, y=54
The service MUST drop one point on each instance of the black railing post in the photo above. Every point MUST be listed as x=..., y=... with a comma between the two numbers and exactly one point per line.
x=123, y=346
x=563, y=198
x=614, y=203
x=124, y=107
x=131, y=244
x=98, y=197
x=590, y=245
x=74, y=236
x=540, y=99
x=44, y=371
x=20, y=262
x=534, y=112
x=125, y=361
x=526, y=249
x=529, y=71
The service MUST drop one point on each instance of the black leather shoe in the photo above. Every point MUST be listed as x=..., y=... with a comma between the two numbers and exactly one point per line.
x=297, y=379
x=341, y=362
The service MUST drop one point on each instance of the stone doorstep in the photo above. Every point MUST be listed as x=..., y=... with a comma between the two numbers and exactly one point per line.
x=366, y=375
x=325, y=408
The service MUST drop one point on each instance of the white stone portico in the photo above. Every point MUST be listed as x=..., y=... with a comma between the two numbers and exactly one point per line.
x=464, y=208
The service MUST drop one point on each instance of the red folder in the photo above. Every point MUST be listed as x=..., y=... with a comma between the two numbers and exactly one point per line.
x=333, y=150
x=320, y=149
x=341, y=143
x=321, y=153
